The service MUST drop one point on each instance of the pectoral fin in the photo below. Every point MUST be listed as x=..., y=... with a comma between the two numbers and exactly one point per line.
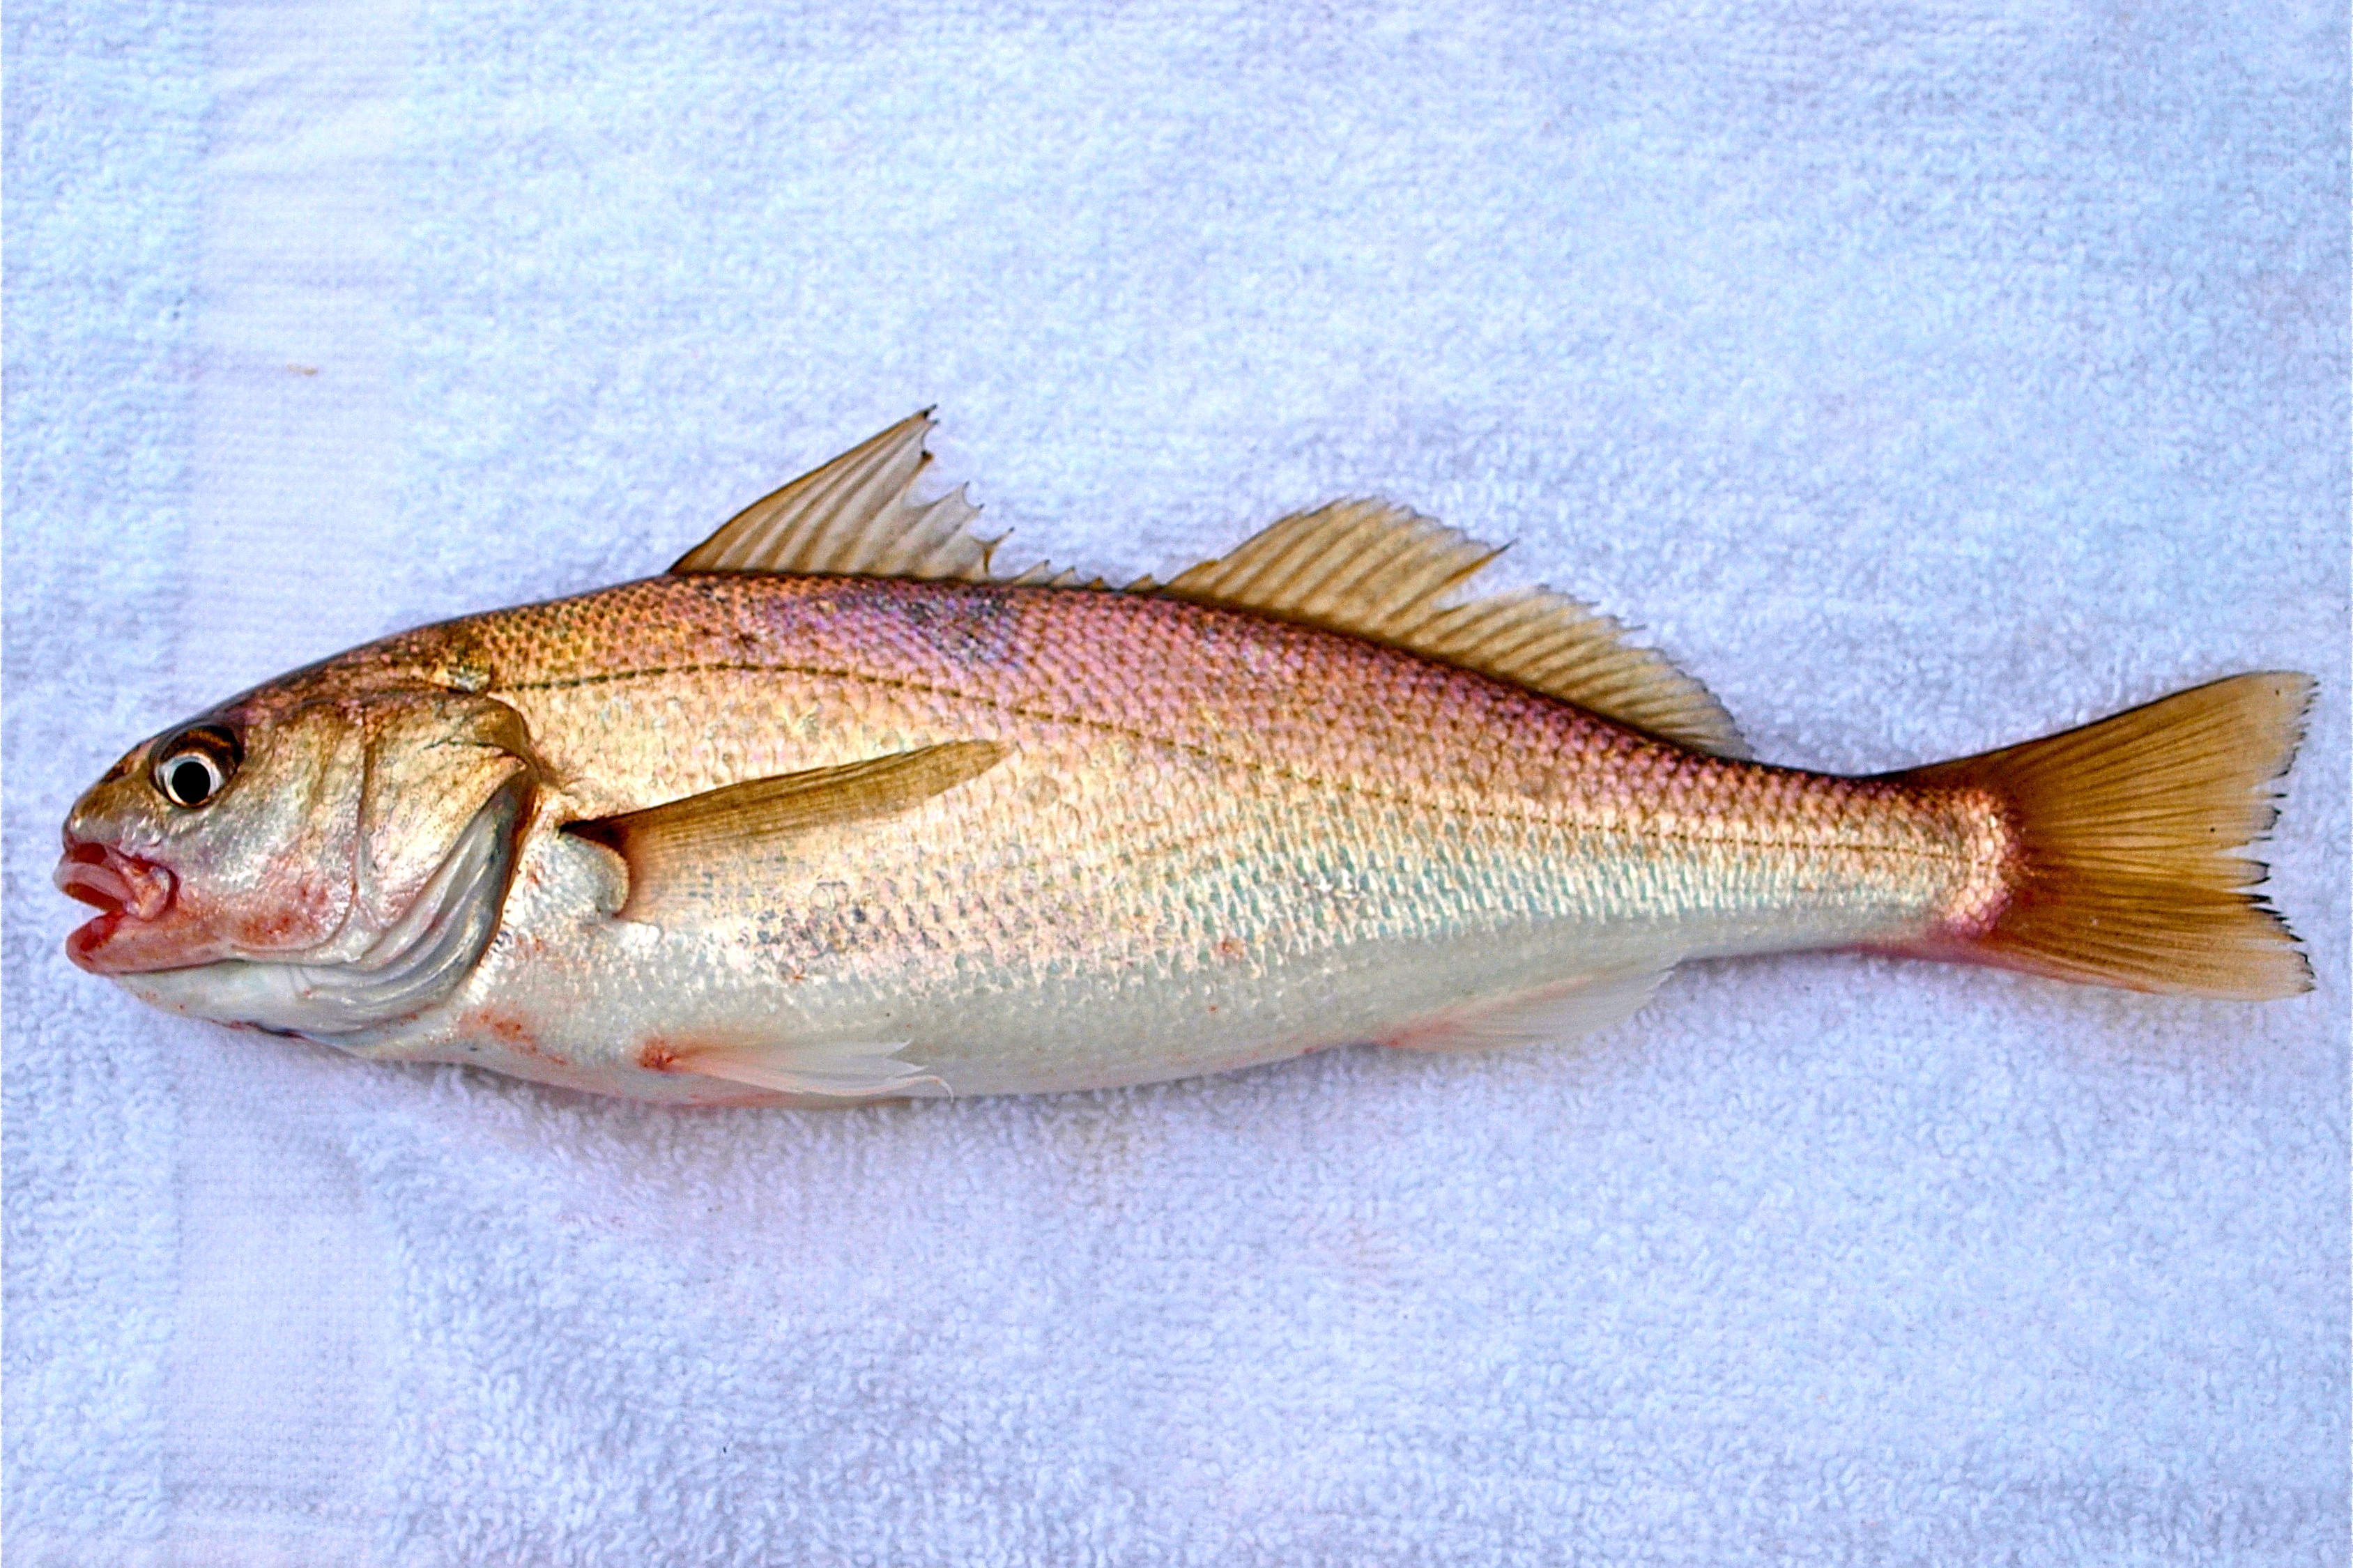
x=691, y=843
x=1550, y=1014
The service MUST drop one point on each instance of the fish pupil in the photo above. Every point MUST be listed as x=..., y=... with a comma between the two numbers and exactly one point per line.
x=192, y=782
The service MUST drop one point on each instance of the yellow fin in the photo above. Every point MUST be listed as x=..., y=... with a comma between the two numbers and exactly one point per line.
x=1374, y=569
x=689, y=842
x=2126, y=865
x=853, y=518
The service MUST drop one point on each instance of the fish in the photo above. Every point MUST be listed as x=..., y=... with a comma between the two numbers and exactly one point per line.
x=834, y=811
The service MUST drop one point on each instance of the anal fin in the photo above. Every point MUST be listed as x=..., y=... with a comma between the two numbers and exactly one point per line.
x=1550, y=1015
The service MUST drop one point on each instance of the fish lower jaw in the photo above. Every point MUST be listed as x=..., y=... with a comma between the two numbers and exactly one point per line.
x=87, y=941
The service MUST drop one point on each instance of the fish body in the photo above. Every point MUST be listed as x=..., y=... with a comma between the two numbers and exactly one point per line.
x=893, y=826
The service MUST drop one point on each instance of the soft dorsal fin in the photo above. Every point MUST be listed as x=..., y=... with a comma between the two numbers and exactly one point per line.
x=681, y=844
x=853, y=518
x=1374, y=569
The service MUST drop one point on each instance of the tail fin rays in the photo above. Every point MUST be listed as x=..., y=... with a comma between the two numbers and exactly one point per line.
x=2128, y=868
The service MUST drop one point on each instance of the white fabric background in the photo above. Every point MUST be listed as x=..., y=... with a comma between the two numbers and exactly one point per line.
x=1928, y=376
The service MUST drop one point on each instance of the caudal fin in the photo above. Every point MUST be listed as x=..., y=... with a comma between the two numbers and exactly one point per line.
x=2126, y=865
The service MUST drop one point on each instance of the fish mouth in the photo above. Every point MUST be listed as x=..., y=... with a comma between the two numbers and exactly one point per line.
x=131, y=894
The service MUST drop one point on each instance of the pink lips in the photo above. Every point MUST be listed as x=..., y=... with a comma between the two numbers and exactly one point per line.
x=123, y=888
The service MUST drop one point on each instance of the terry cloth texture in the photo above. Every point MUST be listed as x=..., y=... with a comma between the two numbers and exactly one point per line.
x=1924, y=376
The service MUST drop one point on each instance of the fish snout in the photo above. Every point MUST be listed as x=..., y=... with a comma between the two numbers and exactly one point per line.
x=129, y=893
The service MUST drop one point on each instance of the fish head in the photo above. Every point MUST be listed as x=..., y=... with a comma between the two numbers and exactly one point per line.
x=310, y=857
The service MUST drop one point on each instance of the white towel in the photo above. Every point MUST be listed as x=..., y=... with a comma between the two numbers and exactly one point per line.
x=1924, y=377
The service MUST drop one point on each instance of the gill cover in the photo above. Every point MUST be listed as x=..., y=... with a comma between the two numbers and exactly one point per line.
x=443, y=785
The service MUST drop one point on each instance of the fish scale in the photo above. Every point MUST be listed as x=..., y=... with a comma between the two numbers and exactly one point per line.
x=1234, y=803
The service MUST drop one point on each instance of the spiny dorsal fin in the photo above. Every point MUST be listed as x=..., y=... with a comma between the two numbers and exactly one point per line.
x=852, y=518
x=676, y=847
x=1374, y=569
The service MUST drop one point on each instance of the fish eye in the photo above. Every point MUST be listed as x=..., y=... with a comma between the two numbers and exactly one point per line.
x=197, y=765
